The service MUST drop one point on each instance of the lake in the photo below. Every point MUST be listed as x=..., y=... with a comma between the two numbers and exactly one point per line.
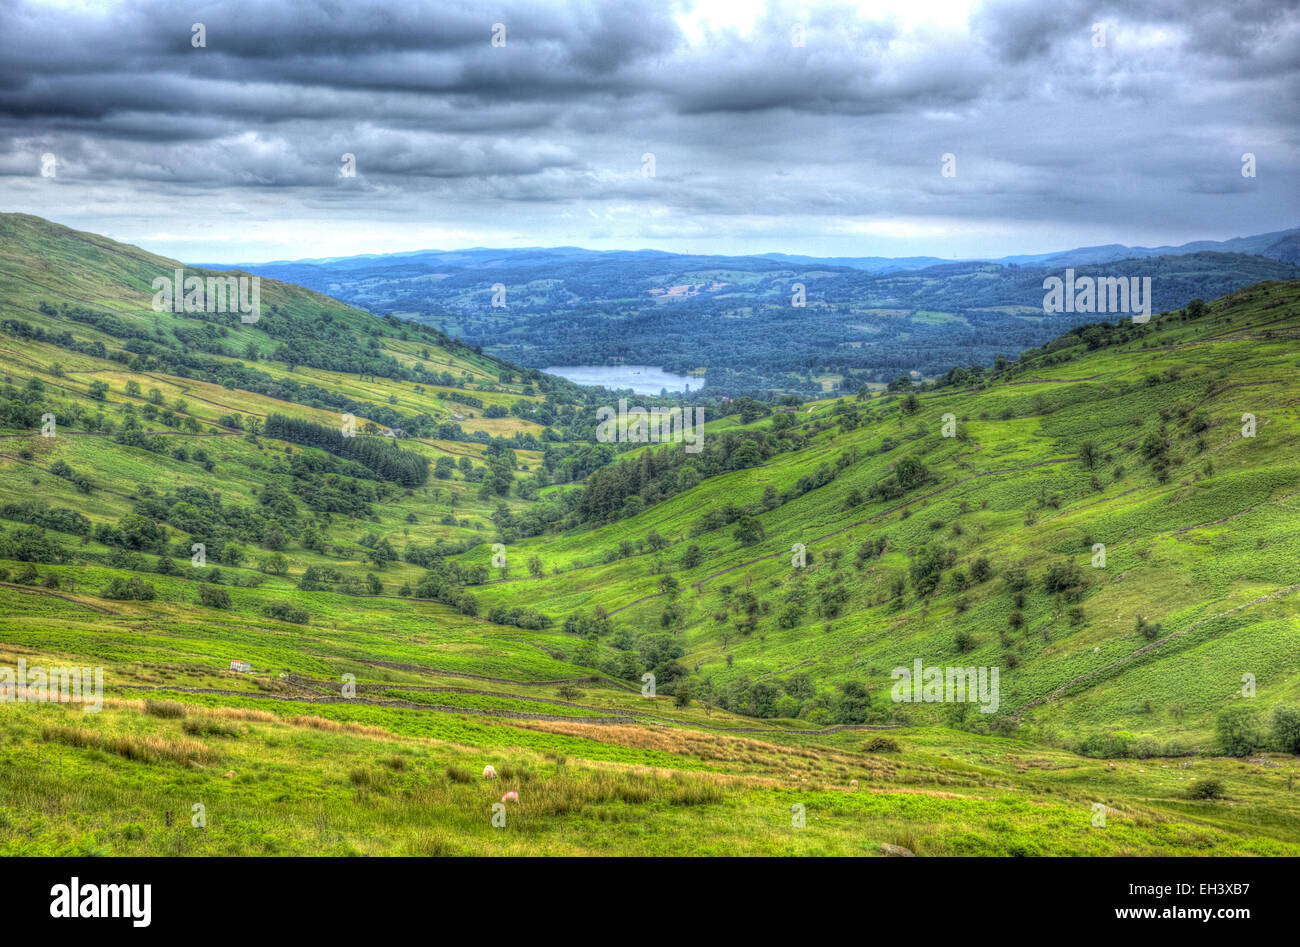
x=643, y=379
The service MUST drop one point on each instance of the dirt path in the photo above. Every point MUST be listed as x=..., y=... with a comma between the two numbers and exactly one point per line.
x=31, y=590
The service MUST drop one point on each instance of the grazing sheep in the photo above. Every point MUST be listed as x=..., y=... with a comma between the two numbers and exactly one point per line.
x=511, y=796
x=853, y=783
x=489, y=772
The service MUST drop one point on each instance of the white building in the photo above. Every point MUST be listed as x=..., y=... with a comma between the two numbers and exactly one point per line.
x=242, y=666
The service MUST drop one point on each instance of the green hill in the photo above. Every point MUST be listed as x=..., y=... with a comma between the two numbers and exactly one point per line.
x=392, y=659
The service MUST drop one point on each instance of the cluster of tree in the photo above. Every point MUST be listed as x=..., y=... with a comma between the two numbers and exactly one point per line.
x=625, y=488
x=61, y=519
x=1243, y=729
x=380, y=456
x=31, y=544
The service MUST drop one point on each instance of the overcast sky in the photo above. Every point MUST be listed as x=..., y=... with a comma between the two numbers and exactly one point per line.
x=233, y=151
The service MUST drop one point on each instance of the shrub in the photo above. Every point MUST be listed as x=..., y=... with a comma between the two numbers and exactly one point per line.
x=458, y=774
x=131, y=589
x=213, y=596
x=286, y=611
x=881, y=745
x=1210, y=788
x=210, y=727
x=1148, y=630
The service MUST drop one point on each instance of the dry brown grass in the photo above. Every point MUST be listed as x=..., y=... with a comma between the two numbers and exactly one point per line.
x=143, y=749
x=743, y=752
x=335, y=726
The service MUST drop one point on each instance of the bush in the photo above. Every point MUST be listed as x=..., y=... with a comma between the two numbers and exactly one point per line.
x=131, y=589
x=458, y=774
x=1148, y=630
x=286, y=611
x=881, y=745
x=213, y=596
x=1210, y=788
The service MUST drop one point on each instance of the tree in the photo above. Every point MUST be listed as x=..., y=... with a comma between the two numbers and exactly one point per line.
x=749, y=531
x=926, y=569
x=910, y=473
x=1284, y=725
x=1148, y=630
x=853, y=703
x=1238, y=730
x=535, y=567
x=682, y=698
x=1089, y=454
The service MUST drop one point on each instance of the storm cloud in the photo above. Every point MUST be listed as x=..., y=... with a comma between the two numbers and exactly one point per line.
x=795, y=127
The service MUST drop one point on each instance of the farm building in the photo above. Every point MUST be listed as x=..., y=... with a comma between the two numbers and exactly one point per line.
x=242, y=666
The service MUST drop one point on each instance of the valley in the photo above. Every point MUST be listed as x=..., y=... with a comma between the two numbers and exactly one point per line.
x=658, y=651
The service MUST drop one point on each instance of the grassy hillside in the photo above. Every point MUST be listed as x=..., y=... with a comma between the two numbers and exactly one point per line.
x=1137, y=445
x=392, y=659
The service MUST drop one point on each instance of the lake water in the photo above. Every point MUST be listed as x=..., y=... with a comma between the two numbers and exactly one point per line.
x=643, y=379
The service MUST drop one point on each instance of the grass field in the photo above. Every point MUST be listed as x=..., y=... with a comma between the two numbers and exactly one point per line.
x=961, y=525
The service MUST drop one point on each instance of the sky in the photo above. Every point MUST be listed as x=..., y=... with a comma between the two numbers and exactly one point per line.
x=718, y=126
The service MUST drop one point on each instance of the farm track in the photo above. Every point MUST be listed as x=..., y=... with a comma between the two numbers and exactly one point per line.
x=31, y=590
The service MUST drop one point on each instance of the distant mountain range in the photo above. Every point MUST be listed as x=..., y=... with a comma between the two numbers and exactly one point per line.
x=1283, y=245
x=737, y=320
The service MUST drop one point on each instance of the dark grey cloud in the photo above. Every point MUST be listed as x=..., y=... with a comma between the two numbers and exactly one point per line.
x=759, y=143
